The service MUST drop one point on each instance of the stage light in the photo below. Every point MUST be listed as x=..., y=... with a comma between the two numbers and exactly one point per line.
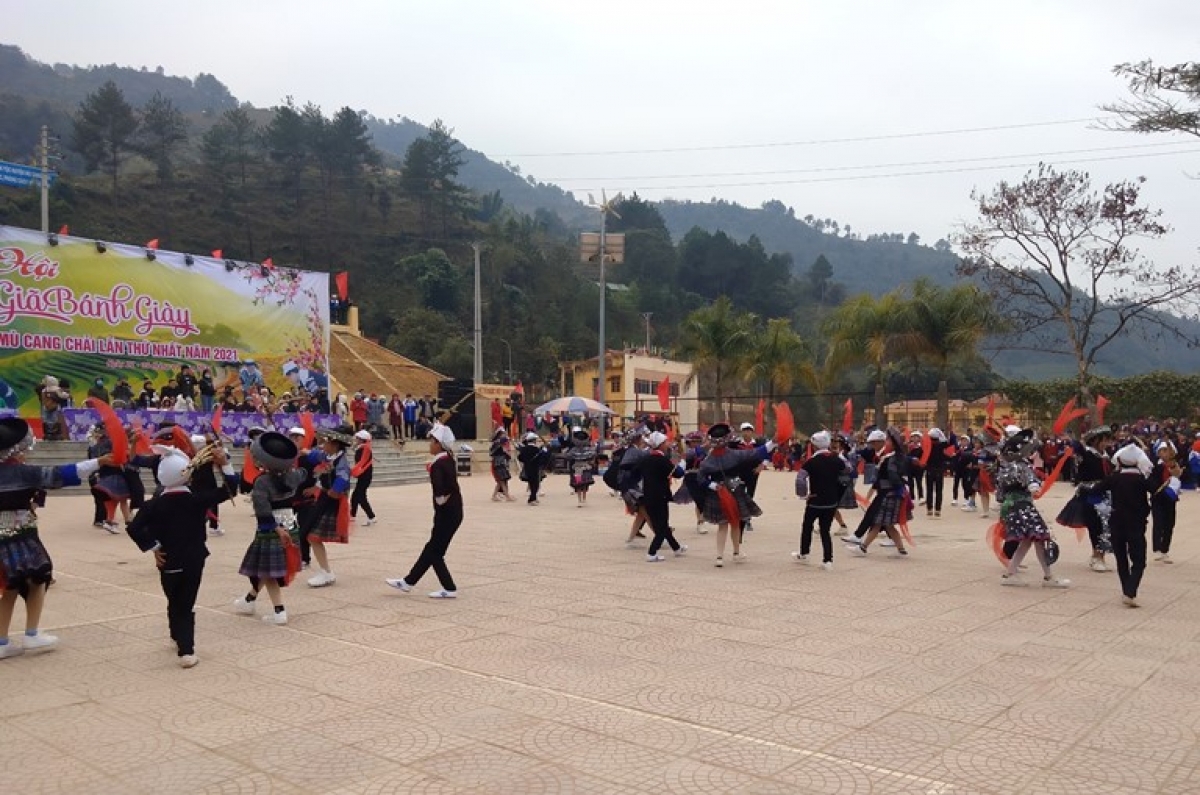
x=187, y=260
x=52, y=239
x=100, y=247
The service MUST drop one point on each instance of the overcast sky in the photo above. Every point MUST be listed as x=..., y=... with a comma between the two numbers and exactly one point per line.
x=522, y=80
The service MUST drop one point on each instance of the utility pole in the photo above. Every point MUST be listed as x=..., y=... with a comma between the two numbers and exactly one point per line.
x=603, y=292
x=478, y=371
x=45, y=157
x=646, y=317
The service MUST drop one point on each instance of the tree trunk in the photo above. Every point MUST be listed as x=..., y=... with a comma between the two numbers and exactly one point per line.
x=943, y=405
x=880, y=416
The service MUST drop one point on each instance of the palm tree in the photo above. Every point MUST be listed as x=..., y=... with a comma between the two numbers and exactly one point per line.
x=776, y=355
x=951, y=323
x=715, y=339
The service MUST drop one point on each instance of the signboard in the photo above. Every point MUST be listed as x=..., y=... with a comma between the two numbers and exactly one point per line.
x=18, y=176
x=80, y=311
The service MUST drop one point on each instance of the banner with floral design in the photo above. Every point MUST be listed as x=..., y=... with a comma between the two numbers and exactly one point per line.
x=80, y=310
x=234, y=425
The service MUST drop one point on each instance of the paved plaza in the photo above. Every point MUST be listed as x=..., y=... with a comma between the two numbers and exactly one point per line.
x=570, y=665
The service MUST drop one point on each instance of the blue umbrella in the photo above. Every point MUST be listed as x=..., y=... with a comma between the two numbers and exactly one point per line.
x=573, y=405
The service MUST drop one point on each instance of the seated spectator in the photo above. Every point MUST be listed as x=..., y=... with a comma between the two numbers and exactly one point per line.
x=122, y=391
x=148, y=399
x=54, y=423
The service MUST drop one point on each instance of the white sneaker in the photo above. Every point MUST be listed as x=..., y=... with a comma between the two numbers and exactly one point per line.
x=1166, y=558
x=111, y=527
x=1097, y=564
x=1013, y=580
x=188, y=660
x=954, y=502
x=1129, y=601
x=444, y=594
x=213, y=531
x=1055, y=582
x=969, y=508
x=851, y=539
x=368, y=522
x=399, y=584
x=244, y=607
x=827, y=565
x=800, y=558
x=11, y=649
x=654, y=558
x=700, y=528
x=322, y=579
x=683, y=548
x=887, y=542
x=39, y=642
x=279, y=619
x=719, y=562
x=739, y=557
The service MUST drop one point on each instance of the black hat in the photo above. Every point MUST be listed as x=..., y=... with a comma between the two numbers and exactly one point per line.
x=1016, y=444
x=15, y=437
x=343, y=435
x=1097, y=432
x=719, y=430
x=273, y=451
x=581, y=435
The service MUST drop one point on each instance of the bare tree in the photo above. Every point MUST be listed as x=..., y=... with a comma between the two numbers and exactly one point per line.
x=1061, y=264
x=1164, y=98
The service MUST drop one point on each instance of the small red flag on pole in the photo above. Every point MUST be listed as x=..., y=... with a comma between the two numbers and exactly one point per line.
x=268, y=262
x=218, y=253
x=664, y=394
x=848, y=417
x=342, y=281
x=64, y=230
x=152, y=244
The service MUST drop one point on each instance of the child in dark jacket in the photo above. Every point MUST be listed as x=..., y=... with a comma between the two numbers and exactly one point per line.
x=172, y=526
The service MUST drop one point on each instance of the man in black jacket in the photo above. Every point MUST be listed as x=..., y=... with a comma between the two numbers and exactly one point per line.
x=824, y=471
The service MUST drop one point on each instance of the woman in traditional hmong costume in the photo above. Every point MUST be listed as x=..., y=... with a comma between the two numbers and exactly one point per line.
x=723, y=474
x=693, y=490
x=501, y=455
x=581, y=458
x=331, y=515
x=25, y=566
x=891, y=504
x=843, y=447
x=1020, y=521
x=273, y=557
x=1091, y=510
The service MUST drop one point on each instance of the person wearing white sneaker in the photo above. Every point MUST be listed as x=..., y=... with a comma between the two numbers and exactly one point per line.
x=728, y=502
x=171, y=525
x=273, y=557
x=1131, y=489
x=1166, y=495
x=825, y=470
x=362, y=471
x=329, y=522
x=656, y=470
x=447, y=517
x=25, y=566
x=1020, y=521
x=1085, y=509
x=888, y=508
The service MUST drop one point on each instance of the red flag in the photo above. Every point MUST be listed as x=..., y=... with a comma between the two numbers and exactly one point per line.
x=152, y=244
x=218, y=253
x=1068, y=413
x=310, y=432
x=216, y=420
x=365, y=462
x=664, y=394
x=268, y=262
x=1058, y=468
x=991, y=410
x=926, y=449
x=785, y=424
x=520, y=390
x=114, y=429
x=1101, y=405
x=848, y=417
x=342, y=281
x=759, y=410
x=64, y=230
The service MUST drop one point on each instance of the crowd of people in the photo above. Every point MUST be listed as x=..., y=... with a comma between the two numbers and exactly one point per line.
x=307, y=489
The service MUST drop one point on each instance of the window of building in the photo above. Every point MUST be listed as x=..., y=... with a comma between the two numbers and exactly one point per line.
x=644, y=386
x=614, y=384
x=569, y=383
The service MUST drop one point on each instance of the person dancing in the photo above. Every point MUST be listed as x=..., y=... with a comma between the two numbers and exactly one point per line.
x=1021, y=523
x=363, y=471
x=729, y=504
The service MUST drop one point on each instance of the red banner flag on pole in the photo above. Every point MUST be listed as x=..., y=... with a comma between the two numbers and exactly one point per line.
x=64, y=230
x=218, y=253
x=664, y=394
x=848, y=417
x=1101, y=405
x=759, y=411
x=520, y=390
x=152, y=244
x=342, y=280
x=268, y=263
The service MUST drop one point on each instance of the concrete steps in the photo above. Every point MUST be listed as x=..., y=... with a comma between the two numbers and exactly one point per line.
x=392, y=466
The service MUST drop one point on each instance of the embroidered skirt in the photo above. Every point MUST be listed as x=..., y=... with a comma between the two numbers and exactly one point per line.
x=266, y=556
x=24, y=560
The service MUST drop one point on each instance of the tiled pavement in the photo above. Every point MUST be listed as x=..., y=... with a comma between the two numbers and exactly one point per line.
x=569, y=665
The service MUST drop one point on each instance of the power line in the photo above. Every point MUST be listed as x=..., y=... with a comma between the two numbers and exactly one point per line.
x=815, y=142
x=857, y=177
x=880, y=165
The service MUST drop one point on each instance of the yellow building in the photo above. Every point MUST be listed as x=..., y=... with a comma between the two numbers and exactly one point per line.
x=631, y=385
x=922, y=414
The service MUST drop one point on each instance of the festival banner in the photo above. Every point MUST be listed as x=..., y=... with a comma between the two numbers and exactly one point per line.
x=82, y=310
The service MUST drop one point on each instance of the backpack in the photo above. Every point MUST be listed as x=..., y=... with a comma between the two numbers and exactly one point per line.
x=612, y=475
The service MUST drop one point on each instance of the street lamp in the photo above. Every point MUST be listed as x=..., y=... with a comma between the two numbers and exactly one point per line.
x=510, y=367
x=603, y=248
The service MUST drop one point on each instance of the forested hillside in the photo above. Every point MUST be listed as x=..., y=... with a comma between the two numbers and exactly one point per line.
x=398, y=204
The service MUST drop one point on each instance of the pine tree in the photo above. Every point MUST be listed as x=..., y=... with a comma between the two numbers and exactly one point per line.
x=104, y=130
